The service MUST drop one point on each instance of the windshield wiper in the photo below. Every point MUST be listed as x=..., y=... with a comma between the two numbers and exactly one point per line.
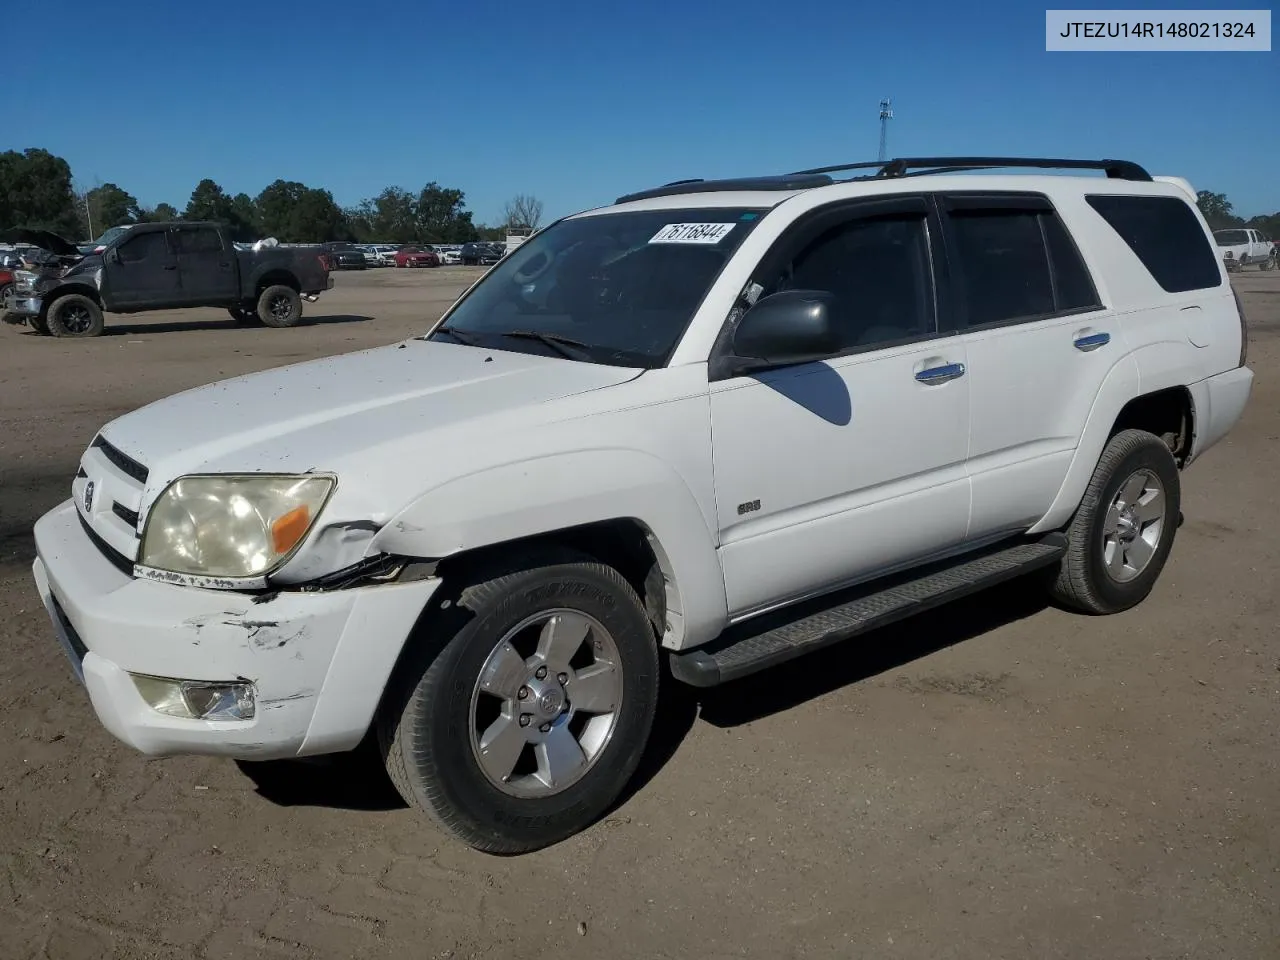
x=556, y=342
x=458, y=335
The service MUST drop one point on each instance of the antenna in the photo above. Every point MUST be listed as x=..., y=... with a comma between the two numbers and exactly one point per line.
x=886, y=114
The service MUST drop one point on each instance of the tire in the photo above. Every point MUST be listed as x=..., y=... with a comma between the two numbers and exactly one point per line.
x=74, y=316
x=280, y=306
x=435, y=715
x=1104, y=527
x=1269, y=263
x=40, y=325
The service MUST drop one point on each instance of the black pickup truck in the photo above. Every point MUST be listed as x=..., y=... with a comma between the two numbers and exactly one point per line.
x=161, y=266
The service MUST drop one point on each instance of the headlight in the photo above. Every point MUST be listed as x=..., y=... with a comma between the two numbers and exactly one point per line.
x=231, y=526
x=26, y=280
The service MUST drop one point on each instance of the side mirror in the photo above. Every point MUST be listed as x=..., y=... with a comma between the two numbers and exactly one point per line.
x=113, y=255
x=783, y=329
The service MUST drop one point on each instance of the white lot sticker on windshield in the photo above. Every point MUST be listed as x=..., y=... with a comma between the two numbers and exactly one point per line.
x=692, y=233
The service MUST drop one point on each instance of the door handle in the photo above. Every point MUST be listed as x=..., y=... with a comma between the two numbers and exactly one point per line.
x=1092, y=341
x=171, y=266
x=933, y=375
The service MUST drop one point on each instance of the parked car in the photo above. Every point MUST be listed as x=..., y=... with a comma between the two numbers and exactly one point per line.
x=417, y=256
x=480, y=252
x=451, y=256
x=1242, y=247
x=160, y=266
x=345, y=256
x=725, y=423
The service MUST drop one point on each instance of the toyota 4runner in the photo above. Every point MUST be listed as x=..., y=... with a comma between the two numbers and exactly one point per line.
x=720, y=422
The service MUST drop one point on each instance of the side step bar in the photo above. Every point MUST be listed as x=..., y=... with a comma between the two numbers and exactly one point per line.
x=751, y=646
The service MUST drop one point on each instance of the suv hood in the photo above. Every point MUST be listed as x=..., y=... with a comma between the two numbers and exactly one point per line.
x=356, y=414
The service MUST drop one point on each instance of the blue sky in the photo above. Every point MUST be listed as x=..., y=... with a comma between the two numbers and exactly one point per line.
x=577, y=102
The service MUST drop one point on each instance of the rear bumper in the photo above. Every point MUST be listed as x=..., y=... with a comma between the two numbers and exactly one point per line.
x=1219, y=404
x=318, y=661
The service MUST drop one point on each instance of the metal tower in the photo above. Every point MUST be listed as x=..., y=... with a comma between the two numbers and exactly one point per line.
x=886, y=114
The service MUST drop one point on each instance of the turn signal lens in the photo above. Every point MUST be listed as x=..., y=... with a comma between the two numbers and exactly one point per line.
x=287, y=530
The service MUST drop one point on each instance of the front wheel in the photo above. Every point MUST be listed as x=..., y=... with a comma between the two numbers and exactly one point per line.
x=1123, y=530
x=526, y=726
x=74, y=315
x=280, y=306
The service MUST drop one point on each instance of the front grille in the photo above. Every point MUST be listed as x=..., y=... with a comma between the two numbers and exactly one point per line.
x=118, y=559
x=123, y=462
x=124, y=513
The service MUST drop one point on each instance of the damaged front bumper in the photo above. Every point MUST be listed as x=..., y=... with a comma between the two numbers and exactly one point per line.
x=316, y=662
x=16, y=309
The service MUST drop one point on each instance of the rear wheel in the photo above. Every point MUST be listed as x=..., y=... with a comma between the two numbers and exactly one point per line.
x=75, y=316
x=1123, y=530
x=280, y=306
x=526, y=726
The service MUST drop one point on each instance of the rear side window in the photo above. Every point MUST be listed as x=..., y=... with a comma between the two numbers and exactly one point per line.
x=1017, y=264
x=1166, y=236
x=200, y=240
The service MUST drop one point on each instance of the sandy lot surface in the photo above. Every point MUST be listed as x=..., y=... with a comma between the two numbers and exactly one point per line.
x=996, y=779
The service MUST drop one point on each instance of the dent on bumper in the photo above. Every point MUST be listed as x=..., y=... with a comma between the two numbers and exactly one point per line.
x=318, y=661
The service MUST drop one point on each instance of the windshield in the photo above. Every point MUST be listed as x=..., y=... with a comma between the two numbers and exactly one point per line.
x=613, y=288
x=110, y=235
x=1226, y=238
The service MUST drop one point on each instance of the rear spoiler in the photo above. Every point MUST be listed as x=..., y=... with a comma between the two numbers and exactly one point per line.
x=1182, y=184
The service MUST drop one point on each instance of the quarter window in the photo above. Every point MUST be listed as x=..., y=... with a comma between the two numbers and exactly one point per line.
x=1166, y=236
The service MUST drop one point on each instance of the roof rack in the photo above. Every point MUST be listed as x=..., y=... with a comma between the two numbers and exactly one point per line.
x=791, y=181
x=899, y=167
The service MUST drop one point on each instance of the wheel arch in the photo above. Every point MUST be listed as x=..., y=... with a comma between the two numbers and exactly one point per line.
x=1166, y=410
x=276, y=277
x=626, y=508
x=66, y=290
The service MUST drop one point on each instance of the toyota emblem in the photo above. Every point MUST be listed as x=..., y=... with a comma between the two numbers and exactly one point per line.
x=88, y=497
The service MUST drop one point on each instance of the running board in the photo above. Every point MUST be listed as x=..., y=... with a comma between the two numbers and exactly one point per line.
x=753, y=645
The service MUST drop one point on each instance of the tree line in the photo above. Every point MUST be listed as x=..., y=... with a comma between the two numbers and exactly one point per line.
x=37, y=191
x=1217, y=211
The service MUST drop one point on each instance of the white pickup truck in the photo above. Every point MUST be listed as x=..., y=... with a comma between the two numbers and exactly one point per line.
x=1244, y=246
x=723, y=423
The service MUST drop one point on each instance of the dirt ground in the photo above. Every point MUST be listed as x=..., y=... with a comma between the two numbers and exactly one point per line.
x=996, y=779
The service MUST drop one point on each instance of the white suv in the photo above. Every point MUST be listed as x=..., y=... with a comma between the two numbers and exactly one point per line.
x=727, y=422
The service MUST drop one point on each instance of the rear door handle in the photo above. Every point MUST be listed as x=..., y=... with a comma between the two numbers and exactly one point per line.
x=1092, y=341
x=170, y=266
x=933, y=375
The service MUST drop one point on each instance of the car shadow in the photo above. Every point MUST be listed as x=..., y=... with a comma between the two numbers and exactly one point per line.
x=358, y=780
x=221, y=323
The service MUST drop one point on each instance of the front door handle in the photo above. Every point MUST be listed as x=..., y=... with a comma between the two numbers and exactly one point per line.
x=170, y=266
x=934, y=375
x=1092, y=341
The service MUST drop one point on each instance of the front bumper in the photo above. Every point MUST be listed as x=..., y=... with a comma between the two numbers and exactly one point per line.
x=318, y=661
x=24, y=306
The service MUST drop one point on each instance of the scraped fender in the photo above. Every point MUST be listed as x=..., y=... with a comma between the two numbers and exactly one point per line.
x=540, y=496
